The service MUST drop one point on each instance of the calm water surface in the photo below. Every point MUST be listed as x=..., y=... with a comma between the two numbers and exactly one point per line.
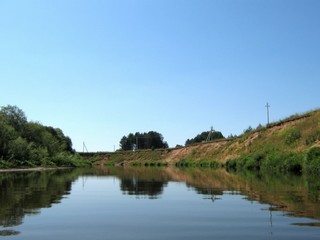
x=151, y=203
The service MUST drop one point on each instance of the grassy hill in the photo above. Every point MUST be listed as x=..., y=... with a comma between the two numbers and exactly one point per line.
x=292, y=144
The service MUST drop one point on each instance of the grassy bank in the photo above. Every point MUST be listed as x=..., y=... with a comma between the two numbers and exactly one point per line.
x=289, y=145
x=59, y=160
x=138, y=158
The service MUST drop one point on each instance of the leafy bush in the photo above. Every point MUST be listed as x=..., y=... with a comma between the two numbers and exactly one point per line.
x=293, y=162
x=312, y=163
x=247, y=162
x=68, y=160
x=274, y=160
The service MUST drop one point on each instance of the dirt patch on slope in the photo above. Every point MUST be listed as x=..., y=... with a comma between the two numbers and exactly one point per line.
x=196, y=152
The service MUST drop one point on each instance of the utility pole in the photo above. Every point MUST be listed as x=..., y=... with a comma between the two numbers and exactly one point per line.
x=267, y=106
x=84, y=147
x=209, y=138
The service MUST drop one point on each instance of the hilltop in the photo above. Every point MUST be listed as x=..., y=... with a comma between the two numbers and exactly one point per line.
x=283, y=145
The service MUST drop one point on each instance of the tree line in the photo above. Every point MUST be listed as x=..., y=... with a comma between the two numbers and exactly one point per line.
x=24, y=143
x=154, y=140
x=146, y=140
x=214, y=135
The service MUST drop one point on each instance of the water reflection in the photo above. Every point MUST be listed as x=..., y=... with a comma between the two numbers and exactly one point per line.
x=152, y=189
x=26, y=193
x=143, y=182
x=297, y=196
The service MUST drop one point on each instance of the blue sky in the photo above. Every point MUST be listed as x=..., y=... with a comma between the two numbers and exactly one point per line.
x=101, y=69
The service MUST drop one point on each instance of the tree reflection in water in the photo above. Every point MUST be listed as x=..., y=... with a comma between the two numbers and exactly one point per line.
x=9, y=232
x=26, y=193
x=152, y=189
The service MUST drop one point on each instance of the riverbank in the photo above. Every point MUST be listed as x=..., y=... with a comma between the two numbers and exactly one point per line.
x=287, y=143
x=37, y=169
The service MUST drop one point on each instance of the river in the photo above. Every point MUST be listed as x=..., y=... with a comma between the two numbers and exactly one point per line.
x=157, y=203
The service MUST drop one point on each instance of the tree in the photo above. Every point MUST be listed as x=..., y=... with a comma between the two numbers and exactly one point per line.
x=249, y=129
x=64, y=141
x=149, y=140
x=51, y=138
x=127, y=143
x=203, y=136
x=7, y=134
x=19, y=151
x=13, y=116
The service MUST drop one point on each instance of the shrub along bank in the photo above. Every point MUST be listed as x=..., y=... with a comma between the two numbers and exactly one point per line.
x=276, y=161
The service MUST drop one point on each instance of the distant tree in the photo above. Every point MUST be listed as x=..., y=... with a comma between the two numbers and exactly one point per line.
x=149, y=140
x=249, y=129
x=13, y=116
x=203, y=136
x=230, y=136
x=127, y=143
x=259, y=127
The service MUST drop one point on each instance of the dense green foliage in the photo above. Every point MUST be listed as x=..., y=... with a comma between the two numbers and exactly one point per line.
x=277, y=161
x=25, y=144
x=313, y=160
x=149, y=140
x=203, y=136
